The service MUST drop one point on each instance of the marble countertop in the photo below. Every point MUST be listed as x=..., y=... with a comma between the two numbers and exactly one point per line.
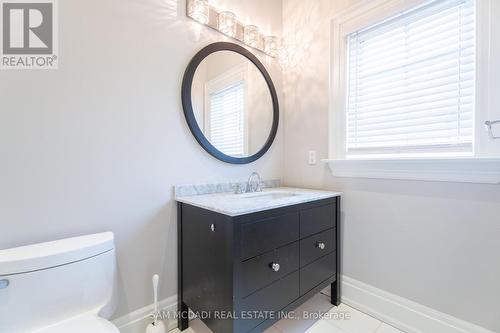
x=239, y=204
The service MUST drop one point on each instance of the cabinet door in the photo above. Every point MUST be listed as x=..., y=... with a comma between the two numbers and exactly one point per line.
x=317, y=219
x=266, y=303
x=259, y=272
x=316, y=246
x=267, y=234
x=317, y=272
x=206, y=272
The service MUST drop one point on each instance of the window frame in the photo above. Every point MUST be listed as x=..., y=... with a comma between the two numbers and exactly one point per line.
x=482, y=167
x=459, y=146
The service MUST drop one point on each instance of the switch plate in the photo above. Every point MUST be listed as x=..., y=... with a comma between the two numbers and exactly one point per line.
x=312, y=157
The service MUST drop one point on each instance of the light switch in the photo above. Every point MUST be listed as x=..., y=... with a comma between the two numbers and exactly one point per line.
x=312, y=157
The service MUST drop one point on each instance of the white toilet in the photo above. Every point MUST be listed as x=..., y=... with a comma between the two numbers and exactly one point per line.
x=62, y=286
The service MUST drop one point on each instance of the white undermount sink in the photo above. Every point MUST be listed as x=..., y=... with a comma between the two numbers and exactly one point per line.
x=269, y=195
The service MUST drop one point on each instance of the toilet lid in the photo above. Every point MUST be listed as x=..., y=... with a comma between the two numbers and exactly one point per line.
x=82, y=324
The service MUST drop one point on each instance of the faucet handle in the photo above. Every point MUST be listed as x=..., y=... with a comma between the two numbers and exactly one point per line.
x=259, y=186
x=237, y=188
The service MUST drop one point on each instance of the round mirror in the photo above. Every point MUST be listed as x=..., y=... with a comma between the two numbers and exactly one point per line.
x=230, y=103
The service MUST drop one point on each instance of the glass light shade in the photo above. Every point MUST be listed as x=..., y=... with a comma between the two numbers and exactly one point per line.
x=251, y=35
x=227, y=23
x=271, y=45
x=199, y=10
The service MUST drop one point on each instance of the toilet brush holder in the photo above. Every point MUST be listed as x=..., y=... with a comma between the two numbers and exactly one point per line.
x=157, y=326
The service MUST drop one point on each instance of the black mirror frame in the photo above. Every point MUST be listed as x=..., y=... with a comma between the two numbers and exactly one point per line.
x=187, y=105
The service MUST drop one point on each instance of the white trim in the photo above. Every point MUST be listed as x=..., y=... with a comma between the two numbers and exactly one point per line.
x=400, y=312
x=136, y=321
x=462, y=170
x=485, y=78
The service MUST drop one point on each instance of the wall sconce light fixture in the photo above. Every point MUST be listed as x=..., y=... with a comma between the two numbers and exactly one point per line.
x=271, y=45
x=251, y=35
x=226, y=22
x=199, y=10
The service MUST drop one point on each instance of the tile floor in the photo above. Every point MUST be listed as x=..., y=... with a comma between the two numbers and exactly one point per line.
x=343, y=319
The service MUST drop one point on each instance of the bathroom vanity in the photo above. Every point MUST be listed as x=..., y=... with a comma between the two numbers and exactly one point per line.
x=246, y=259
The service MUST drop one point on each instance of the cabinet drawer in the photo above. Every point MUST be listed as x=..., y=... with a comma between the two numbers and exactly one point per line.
x=316, y=246
x=316, y=272
x=264, y=235
x=270, y=299
x=317, y=219
x=257, y=272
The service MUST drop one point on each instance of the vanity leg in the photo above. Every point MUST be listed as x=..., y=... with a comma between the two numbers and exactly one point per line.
x=183, y=320
x=182, y=308
x=335, y=294
x=335, y=291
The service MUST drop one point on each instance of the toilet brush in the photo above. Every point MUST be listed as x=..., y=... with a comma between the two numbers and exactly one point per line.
x=157, y=326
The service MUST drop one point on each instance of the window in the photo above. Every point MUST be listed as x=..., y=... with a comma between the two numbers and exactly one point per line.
x=227, y=119
x=411, y=83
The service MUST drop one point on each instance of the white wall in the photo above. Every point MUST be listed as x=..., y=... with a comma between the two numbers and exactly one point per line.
x=198, y=94
x=259, y=109
x=99, y=143
x=434, y=243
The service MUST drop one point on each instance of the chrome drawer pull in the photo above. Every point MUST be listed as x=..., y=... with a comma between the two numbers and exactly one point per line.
x=212, y=227
x=321, y=245
x=4, y=284
x=275, y=266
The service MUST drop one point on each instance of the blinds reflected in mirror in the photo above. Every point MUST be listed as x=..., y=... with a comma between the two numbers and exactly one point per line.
x=227, y=119
x=411, y=82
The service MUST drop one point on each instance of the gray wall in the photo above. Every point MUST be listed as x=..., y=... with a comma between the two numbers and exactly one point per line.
x=98, y=144
x=435, y=243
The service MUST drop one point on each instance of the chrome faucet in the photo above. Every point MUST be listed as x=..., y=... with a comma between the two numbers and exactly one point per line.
x=254, y=183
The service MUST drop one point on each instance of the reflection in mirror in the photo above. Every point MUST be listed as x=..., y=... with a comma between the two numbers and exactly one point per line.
x=232, y=103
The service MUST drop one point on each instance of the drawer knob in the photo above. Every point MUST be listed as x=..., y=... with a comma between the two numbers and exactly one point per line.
x=212, y=227
x=321, y=245
x=275, y=266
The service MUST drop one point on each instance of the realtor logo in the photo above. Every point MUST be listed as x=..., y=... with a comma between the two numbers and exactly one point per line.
x=29, y=34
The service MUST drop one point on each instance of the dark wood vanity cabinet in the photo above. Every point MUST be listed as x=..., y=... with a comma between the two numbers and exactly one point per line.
x=243, y=273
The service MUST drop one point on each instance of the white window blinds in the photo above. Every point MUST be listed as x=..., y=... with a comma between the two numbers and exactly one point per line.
x=411, y=82
x=227, y=119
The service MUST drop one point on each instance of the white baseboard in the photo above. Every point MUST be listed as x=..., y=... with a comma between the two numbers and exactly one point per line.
x=400, y=312
x=397, y=311
x=136, y=321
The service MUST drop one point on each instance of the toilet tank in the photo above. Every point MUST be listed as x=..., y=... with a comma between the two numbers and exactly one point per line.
x=46, y=283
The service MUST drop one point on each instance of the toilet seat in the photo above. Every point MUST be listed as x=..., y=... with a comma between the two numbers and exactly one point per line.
x=88, y=323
